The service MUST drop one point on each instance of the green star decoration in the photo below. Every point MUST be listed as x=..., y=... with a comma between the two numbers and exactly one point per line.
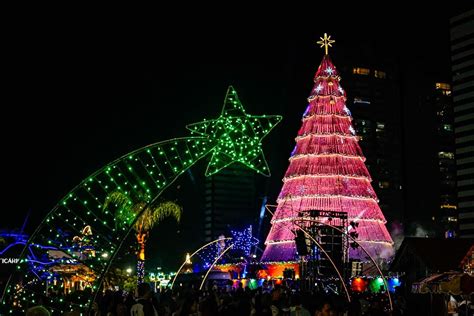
x=237, y=136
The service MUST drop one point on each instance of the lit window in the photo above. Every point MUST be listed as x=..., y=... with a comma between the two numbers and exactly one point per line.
x=452, y=219
x=445, y=155
x=447, y=127
x=384, y=184
x=361, y=71
x=356, y=268
x=380, y=127
x=359, y=100
x=443, y=86
x=450, y=206
x=446, y=92
x=380, y=74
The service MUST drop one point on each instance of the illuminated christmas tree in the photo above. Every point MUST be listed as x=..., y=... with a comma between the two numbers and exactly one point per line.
x=327, y=172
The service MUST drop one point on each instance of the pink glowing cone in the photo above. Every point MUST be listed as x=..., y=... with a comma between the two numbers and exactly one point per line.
x=327, y=172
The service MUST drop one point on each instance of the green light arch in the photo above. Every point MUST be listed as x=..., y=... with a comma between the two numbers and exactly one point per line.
x=147, y=171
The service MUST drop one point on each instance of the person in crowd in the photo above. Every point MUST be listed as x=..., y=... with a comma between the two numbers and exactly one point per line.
x=38, y=311
x=296, y=307
x=325, y=310
x=144, y=306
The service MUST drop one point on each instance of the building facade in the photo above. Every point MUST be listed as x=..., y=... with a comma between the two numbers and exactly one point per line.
x=230, y=201
x=373, y=96
x=441, y=101
x=462, y=65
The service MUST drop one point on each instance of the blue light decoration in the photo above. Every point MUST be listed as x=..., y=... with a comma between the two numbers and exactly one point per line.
x=244, y=241
x=306, y=111
x=260, y=221
x=209, y=254
x=393, y=283
x=36, y=262
x=140, y=270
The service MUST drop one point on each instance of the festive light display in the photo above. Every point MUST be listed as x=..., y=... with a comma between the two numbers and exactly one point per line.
x=244, y=241
x=209, y=254
x=327, y=172
x=126, y=208
x=234, y=137
x=238, y=136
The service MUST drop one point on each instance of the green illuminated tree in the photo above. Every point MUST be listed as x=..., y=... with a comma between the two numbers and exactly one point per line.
x=126, y=209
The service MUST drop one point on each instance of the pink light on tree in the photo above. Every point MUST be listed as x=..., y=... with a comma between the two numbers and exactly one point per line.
x=327, y=172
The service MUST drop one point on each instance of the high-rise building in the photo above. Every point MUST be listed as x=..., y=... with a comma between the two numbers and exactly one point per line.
x=441, y=101
x=462, y=65
x=230, y=201
x=373, y=96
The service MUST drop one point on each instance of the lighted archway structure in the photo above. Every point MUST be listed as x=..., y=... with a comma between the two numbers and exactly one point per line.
x=312, y=220
x=194, y=253
x=214, y=263
x=234, y=136
x=341, y=279
x=352, y=239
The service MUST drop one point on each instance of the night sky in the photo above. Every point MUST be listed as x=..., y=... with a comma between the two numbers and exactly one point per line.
x=80, y=97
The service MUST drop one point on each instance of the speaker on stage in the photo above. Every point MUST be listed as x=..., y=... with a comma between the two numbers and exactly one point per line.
x=301, y=246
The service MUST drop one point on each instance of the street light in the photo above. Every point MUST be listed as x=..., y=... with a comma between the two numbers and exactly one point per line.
x=129, y=270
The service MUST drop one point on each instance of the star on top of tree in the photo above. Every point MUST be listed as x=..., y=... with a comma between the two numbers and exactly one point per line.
x=326, y=42
x=236, y=136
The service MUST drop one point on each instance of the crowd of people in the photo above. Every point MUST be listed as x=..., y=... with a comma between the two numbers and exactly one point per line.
x=278, y=301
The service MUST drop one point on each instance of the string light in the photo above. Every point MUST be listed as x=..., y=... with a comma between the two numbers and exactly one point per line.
x=243, y=240
x=238, y=136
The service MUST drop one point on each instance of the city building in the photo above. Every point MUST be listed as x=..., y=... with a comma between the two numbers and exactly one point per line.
x=230, y=201
x=462, y=65
x=441, y=102
x=372, y=84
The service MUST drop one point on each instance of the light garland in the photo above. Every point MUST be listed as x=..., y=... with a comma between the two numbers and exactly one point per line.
x=309, y=135
x=291, y=219
x=324, y=186
x=327, y=165
x=275, y=242
x=345, y=117
x=325, y=196
x=300, y=177
x=323, y=155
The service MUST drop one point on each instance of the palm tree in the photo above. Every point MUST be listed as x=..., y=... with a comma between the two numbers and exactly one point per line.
x=126, y=209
